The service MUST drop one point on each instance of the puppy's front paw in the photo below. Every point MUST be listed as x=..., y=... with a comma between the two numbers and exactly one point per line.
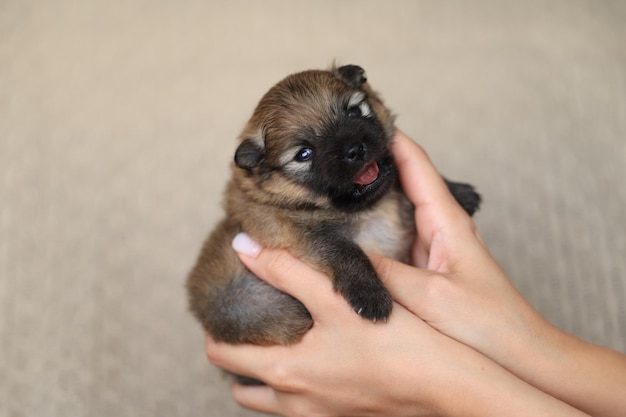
x=355, y=278
x=370, y=299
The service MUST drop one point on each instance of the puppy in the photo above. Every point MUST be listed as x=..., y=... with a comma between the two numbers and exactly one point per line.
x=313, y=173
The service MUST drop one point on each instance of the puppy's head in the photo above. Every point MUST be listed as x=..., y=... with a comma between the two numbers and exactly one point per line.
x=318, y=139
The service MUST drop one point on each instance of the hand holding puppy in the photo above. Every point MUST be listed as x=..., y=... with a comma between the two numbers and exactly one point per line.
x=347, y=366
x=460, y=290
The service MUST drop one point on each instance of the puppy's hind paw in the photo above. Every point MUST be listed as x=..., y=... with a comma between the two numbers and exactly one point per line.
x=466, y=196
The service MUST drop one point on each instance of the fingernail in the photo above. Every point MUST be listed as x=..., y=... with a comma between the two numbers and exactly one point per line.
x=244, y=244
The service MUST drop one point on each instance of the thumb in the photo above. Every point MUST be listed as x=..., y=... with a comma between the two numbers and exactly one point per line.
x=290, y=275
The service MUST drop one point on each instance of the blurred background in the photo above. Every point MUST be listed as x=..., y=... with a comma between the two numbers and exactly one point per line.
x=118, y=122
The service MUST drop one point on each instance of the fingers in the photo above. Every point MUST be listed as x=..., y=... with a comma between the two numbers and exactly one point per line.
x=445, y=229
x=268, y=364
x=249, y=360
x=406, y=284
x=292, y=276
x=271, y=364
x=420, y=180
x=259, y=398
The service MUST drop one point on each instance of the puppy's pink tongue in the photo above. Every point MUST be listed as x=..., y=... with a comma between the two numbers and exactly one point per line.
x=367, y=175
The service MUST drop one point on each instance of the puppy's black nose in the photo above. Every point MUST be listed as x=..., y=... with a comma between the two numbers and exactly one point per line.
x=355, y=152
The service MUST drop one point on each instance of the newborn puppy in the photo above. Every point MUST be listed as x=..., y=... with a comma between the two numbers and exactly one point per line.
x=313, y=173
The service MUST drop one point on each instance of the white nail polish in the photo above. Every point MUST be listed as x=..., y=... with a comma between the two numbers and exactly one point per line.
x=244, y=244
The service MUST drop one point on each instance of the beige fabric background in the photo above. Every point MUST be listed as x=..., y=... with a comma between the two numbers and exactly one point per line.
x=117, y=124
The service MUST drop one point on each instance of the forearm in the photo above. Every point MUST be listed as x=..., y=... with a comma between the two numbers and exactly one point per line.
x=589, y=377
x=486, y=389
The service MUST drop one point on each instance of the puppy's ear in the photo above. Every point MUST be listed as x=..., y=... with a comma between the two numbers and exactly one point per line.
x=249, y=153
x=353, y=75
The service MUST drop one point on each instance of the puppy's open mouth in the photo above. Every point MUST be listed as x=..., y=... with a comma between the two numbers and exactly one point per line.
x=368, y=174
x=367, y=187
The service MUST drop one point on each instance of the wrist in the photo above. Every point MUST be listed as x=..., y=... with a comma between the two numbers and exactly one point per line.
x=530, y=344
x=492, y=391
x=483, y=388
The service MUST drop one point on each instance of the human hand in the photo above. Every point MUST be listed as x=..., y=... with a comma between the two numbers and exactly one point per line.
x=458, y=288
x=346, y=365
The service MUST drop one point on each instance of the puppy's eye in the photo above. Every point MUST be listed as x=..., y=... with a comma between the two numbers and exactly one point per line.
x=354, y=112
x=304, y=155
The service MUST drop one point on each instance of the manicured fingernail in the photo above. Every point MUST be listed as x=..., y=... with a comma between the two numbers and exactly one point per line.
x=243, y=243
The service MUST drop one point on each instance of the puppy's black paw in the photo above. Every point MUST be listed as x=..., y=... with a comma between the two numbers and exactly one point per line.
x=355, y=278
x=465, y=195
x=370, y=299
